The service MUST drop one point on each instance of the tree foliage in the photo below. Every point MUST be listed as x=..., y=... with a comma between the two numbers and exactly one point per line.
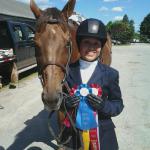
x=122, y=31
x=125, y=19
x=145, y=29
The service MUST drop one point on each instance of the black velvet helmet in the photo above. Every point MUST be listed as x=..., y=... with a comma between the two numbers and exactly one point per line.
x=91, y=28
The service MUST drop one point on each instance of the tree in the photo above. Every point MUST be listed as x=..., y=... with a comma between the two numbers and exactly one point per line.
x=123, y=30
x=125, y=19
x=136, y=37
x=108, y=27
x=145, y=29
x=132, y=29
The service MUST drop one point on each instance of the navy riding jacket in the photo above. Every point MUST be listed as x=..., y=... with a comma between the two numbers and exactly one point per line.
x=108, y=79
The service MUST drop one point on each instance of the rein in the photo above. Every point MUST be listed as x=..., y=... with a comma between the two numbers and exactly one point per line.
x=59, y=136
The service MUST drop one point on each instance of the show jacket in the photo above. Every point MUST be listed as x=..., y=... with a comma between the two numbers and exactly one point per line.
x=108, y=79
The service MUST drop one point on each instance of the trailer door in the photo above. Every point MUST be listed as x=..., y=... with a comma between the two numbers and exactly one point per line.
x=29, y=33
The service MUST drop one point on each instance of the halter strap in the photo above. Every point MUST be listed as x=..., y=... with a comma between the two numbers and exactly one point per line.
x=63, y=67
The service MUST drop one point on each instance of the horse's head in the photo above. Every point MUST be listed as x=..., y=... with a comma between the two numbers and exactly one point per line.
x=53, y=50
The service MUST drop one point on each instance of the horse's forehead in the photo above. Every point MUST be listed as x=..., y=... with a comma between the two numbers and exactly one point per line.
x=49, y=13
x=53, y=12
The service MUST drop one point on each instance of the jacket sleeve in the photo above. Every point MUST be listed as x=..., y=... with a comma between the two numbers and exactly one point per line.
x=113, y=105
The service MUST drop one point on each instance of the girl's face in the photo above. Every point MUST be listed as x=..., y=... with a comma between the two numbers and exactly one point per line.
x=90, y=49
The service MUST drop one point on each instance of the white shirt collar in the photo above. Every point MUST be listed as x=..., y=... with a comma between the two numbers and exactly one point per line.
x=86, y=64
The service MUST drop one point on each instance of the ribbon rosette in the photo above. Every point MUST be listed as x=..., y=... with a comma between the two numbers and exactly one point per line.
x=85, y=119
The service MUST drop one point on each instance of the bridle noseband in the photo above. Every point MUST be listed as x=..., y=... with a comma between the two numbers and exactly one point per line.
x=63, y=67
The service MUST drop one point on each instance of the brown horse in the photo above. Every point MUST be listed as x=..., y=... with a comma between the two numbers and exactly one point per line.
x=56, y=48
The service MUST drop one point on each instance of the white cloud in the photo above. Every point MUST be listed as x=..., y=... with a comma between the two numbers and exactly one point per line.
x=118, y=18
x=110, y=0
x=103, y=9
x=117, y=9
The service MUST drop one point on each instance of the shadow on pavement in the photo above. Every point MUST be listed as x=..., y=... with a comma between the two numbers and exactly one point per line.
x=2, y=148
x=36, y=130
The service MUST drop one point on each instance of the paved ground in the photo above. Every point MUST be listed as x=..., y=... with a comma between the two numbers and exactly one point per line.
x=133, y=125
x=23, y=122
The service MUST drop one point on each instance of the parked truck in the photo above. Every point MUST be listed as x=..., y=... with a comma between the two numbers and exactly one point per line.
x=17, y=50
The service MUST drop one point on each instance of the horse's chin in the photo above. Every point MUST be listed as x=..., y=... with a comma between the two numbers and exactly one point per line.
x=55, y=108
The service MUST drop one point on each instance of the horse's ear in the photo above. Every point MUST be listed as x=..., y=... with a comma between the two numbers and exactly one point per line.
x=35, y=9
x=68, y=9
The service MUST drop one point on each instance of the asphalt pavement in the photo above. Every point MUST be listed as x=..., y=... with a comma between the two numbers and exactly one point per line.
x=23, y=120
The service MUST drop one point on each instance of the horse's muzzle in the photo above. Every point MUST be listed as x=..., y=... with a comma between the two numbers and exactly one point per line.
x=52, y=102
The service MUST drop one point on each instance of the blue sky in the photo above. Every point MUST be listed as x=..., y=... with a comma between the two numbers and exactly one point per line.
x=105, y=10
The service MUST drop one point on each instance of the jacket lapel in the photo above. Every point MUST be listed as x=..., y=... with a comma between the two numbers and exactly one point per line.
x=75, y=73
x=97, y=75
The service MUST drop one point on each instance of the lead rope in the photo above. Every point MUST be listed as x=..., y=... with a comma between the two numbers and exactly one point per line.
x=57, y=138
x=77, y=132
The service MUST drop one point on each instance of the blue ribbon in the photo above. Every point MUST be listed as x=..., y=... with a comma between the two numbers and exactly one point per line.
x=85, y=119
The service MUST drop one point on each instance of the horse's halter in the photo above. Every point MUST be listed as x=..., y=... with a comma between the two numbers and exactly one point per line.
x=63, y=67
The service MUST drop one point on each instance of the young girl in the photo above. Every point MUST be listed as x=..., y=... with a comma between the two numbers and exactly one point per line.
x=88, y=70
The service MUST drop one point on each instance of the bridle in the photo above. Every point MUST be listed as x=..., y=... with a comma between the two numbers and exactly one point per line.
x=63, y=67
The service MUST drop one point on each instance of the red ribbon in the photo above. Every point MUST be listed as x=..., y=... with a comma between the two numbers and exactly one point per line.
x=94, y=133
x=96, y=86
x=73, y=89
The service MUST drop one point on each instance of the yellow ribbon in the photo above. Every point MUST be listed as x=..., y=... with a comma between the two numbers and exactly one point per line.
x=86, y=140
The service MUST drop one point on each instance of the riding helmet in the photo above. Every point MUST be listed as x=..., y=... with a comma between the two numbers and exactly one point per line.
x=91, y=28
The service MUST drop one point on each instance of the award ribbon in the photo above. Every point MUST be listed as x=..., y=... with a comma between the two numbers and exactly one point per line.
x=94, y=133
x=85, y=119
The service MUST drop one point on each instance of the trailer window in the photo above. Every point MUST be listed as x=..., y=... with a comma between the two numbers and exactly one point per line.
x=18, y=33
x=5, y=41
x=29, y=32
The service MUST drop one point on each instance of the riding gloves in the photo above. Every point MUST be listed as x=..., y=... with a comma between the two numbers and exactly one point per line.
x=95, y=101
x=72, y=101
